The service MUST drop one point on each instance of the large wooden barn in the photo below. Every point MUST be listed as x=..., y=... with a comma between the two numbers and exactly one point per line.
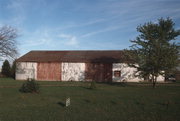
x=100, y=66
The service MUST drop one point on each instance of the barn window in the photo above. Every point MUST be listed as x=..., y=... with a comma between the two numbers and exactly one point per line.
x=117, y=73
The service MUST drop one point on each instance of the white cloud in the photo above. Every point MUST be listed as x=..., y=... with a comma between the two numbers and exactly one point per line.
x=69, y=39
x=101, y=31
x=38, y=42
x=73, y=41
x=38, y=37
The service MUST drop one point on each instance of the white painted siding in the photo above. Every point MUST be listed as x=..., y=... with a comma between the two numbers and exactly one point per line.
x=127, y=73
x=73, y=71
x=25, y=70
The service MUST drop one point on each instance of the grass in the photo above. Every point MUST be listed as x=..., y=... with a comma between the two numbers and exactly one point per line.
x=109, y=102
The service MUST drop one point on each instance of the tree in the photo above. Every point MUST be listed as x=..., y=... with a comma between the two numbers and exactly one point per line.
x=6, y=69
x=8, y=44
x=153, y=49
x=13, y=70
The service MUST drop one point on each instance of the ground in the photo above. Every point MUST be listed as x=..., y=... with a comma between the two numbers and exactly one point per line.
x=109, y=102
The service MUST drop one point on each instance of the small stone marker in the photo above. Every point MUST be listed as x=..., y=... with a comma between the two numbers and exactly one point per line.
x=67, y=102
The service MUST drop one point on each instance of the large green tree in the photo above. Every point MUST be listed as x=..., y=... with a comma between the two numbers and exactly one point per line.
x=155, y=50
x=6, y=69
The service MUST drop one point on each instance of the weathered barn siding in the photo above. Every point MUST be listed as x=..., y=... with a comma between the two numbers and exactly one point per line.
x=177, y=75
x=73, y=71
x=128, y=73
x=50, y=71
x=25, y=70
x=99, y=72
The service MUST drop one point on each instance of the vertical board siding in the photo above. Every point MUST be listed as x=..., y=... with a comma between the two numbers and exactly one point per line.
x=73, y=71
x=99, y=72
x=25, y=70
x=49, y=71
x=128, y=74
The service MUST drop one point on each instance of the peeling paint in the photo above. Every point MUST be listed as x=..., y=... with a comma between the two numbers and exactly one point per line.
x=128, y=74
x=25, y=70
x=73, y=71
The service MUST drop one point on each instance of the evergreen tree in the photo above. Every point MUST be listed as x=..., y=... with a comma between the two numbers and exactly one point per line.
x=13, y=70
x=6, y=69
x=154, y=51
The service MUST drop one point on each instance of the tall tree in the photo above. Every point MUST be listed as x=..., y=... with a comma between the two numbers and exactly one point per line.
x=6, y=69
x=153, y=49
x=13, y=69
x=8, y=43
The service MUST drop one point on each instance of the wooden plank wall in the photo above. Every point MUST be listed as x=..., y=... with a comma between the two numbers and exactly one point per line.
x=99, y=72
x=177, y=76
x=49, y=71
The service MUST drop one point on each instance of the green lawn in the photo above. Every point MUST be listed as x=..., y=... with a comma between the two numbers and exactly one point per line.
x=109, y=102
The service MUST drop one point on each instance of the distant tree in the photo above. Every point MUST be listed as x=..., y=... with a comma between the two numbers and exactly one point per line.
x=13, y=69
x=153, y=50
x=6, y=69
x=8, y=44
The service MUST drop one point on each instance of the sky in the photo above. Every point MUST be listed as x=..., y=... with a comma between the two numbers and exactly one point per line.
x=82, y=24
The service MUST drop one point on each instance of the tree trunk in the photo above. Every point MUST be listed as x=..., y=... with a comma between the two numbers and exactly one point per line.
x=154, y=81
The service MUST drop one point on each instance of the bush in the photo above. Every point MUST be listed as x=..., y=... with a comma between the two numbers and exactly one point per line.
x=93, y=85
x=30, y=86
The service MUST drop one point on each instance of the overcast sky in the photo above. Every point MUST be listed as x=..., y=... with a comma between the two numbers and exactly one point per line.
x=82, y=24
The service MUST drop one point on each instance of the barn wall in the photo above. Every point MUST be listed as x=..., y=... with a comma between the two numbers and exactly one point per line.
x=127, y=73
x=49, y=71
x=73, y=71
x=99, y=72
x=25, y=70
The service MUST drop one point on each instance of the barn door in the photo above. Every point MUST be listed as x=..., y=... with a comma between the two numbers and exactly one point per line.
x=49, y=71
x=99, y=72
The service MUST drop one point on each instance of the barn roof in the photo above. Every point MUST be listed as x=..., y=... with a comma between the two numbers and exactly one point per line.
x=106, y=56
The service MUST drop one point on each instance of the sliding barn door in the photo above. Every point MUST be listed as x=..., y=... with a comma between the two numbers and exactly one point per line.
x=49, y=71
x=99, y=72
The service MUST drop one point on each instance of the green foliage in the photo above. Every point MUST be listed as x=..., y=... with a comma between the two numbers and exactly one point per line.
x=6, y=69
x=30, y=86
x=154, y=51
x=13, y=70
x=93, y=85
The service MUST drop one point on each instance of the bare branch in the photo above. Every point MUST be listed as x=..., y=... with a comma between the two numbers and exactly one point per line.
x=8, y=43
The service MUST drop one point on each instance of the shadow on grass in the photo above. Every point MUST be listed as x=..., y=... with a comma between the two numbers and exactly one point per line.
x=87, y=101
x=121, y=84
x=88, y=88
x=61, y=104
x=165, y=104
x=113, y=102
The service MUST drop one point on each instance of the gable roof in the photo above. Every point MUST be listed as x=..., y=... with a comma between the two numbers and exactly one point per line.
x=106, y=56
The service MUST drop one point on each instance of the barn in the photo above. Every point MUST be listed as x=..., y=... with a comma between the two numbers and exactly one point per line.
x=100, y=66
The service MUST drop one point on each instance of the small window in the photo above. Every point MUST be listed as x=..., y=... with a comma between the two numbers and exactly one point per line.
x=117, y=73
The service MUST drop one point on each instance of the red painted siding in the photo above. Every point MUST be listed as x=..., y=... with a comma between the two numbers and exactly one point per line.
x=49, y=71
x=99, y=72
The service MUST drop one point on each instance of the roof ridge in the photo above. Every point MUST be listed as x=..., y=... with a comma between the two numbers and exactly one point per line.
x=72, y=56
x=68, y=50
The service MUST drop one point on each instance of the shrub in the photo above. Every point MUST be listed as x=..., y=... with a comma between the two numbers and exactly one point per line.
x=93, y=85
x=30, y=86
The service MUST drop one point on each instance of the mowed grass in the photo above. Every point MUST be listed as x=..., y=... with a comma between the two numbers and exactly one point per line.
x=109, y=102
